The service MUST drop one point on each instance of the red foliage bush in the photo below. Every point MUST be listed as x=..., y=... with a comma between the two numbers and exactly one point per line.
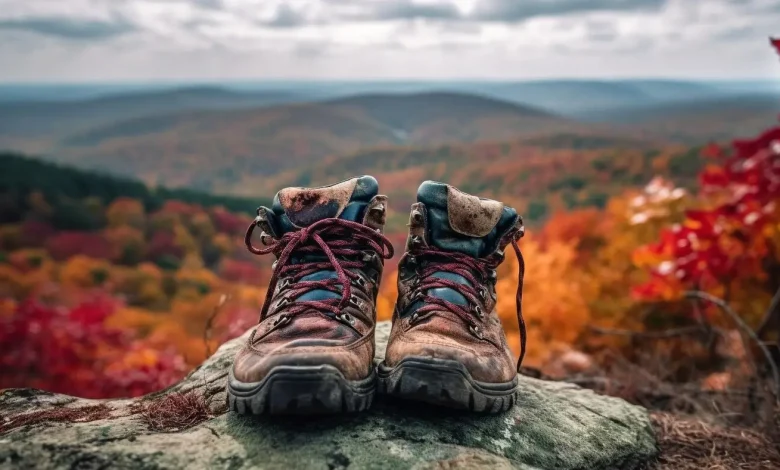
x=35, y=233
x=241, y=271
x=727, y=239
x=229, y=223
x=66, y=244
x=163, y=244
x=71, y=351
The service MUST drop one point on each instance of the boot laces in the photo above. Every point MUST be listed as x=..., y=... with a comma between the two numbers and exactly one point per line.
x=476, y=271
x=344, y=243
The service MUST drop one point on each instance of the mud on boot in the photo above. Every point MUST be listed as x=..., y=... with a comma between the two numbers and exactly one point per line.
x=312, y=351
x=447, y=346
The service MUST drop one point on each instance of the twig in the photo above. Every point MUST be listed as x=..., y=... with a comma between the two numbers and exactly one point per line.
x=670, y=333
x=748, y=331
x=657, y=390
x=769, y=315
x=210, y=323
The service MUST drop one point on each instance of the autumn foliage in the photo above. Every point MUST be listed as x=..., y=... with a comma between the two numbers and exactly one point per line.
x=125, y=307
x=113, y=291
x=728, y=243
x=72, y=351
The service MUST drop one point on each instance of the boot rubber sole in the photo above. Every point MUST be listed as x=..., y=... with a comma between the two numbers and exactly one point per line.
x=301, y=390
x=446, y=383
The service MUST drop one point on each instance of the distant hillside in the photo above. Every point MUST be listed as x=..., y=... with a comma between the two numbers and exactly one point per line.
x=67, y=187
x=196, y=148
x=208, y=149
x=579, y=97
x=701, y=120
x=537, y=175
x=42, y=118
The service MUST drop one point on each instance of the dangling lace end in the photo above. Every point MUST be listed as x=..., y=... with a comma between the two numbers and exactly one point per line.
x=519, y=299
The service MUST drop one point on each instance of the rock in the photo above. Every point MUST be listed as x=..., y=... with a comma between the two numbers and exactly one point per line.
x=555, y=425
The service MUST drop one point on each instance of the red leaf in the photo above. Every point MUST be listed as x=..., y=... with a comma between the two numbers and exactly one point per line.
x=712, y=150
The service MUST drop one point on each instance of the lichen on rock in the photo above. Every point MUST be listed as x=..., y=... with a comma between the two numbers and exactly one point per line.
x=554, y=425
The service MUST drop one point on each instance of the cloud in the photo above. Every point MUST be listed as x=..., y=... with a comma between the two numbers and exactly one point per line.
x=285, y=17
x=407, y=9
x=517, y=10
x=601, y=31
x=147, y=39
x=69, y=28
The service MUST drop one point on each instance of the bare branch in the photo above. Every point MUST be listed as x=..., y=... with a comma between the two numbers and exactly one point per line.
x=665, y=334
x=746, y=329
x=769, y=316
x=210, y=323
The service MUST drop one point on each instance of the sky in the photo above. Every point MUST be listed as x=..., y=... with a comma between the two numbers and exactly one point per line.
x=150, y=40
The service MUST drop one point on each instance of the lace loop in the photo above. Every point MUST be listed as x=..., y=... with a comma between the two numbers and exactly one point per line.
x=474, y=271
x=343, y=243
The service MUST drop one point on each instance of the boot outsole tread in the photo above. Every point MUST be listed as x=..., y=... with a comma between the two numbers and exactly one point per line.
x=446, y=383
x=301, y=390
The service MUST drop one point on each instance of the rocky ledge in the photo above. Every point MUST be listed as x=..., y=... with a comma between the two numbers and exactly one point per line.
x=555, y=425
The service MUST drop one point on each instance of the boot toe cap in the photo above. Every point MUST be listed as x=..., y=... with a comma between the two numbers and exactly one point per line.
x=484, y=362
x=251, y=366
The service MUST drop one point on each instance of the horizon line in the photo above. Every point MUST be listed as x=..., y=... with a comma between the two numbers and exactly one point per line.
x=161, y=81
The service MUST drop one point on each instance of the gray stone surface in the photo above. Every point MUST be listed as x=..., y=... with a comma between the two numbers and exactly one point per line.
x=554, y=426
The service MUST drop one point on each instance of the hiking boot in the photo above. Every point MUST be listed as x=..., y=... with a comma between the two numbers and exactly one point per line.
x=313, y=350
x=447, y=346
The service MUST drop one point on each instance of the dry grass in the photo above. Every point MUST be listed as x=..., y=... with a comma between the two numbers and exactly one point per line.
x=56, y=415
x=687, y=443
x=174, y=412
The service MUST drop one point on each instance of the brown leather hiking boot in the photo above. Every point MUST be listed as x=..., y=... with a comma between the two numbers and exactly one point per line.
x=447, y=346
x=314, y=347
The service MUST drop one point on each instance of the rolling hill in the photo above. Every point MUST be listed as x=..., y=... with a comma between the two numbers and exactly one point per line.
x=206, y=149
x=217, y=140
x=698, y=121
x=536, y=174
x=579, y=98
x=65, y=186
x=32, y=118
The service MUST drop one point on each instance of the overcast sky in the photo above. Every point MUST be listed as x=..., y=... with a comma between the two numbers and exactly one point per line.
x=97, y=40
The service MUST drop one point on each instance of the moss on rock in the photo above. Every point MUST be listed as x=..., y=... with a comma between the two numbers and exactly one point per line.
x=554, y=426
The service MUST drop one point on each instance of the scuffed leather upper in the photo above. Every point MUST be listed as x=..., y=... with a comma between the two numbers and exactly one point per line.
x=450, y=220
x=312, y=337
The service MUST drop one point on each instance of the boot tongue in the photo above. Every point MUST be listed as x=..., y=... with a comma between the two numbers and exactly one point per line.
x=295, y=208
x=460, y=222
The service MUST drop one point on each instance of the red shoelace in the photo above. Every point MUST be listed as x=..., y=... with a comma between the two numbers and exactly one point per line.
x=476, y=271
x=346, y=244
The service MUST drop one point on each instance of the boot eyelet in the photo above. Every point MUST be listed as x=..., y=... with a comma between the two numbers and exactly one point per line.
x=368, y=256
x=474, y=329
x=285, y=301
x=354, y=300
x=413, y=319
x=361, y=281
x=345, y=317
x=478, y=311
x=483, y=294
x=285, y=283
x=417, y=217
x=281, y=320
